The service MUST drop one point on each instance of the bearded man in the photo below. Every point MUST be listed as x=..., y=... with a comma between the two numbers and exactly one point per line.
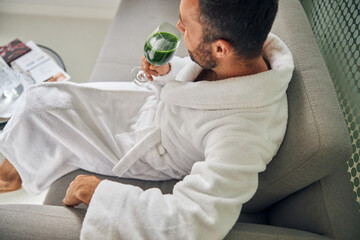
x=213, y=120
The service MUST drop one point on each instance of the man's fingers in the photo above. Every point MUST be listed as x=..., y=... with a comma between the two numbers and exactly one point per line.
x=70, y=200
x=152, y=72
x=149, y=73
x=144, y=64
x=81, y=190
x=149, y=77
x=148, y=69
x=161, y=70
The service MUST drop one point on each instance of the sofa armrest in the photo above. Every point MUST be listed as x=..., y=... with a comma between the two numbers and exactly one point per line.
x=33, y=222
x=327, y=207
x=54, y=222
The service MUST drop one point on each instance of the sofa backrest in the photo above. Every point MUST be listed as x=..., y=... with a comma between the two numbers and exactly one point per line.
x=124, y=44
x=317, y=140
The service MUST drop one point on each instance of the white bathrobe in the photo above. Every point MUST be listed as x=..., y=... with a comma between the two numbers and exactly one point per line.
x=215, y=135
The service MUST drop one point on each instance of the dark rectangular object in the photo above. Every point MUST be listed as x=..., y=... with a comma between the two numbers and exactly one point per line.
x=13, y=50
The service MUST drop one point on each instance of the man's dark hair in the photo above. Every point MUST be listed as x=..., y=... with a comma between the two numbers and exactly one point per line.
x=245, y=24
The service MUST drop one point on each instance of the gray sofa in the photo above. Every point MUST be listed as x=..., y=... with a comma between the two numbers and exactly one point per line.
x=305, y=192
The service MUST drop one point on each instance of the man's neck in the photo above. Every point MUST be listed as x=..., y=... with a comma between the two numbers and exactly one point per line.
x=239, y=68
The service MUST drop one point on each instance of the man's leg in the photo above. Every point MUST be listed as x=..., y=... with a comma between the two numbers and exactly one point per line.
x=9, y=178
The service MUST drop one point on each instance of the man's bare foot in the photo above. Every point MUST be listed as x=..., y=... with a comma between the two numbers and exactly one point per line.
x=9, y=178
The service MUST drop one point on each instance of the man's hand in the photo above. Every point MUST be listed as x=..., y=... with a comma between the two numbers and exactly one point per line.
x=152, y=70
x=81, y=190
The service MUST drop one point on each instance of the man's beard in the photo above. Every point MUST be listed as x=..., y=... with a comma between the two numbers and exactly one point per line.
x=202, y=55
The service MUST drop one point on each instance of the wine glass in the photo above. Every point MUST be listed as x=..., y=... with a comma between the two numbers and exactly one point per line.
x=159, y=49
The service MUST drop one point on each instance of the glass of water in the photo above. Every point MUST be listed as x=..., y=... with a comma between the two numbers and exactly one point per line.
x=10, y=82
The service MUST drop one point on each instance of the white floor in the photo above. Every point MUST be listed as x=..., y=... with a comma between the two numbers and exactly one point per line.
x=77, y=40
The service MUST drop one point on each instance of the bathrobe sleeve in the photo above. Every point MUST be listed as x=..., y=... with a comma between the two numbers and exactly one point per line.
x=205, y=205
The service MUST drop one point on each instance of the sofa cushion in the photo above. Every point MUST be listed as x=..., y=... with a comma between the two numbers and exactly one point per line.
x=260, y=232
x=327, y=207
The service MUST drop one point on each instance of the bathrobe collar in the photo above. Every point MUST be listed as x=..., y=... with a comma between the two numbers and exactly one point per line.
x=251, y=91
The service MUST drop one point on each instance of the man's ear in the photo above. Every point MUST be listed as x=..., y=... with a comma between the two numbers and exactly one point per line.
x=221, y=48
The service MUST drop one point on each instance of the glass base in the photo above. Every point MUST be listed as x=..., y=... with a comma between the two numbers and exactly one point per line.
x=7, y=99
x=15, y=92
x=139, y=77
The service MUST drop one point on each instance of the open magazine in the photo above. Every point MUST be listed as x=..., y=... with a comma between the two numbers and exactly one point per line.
x=32, y=65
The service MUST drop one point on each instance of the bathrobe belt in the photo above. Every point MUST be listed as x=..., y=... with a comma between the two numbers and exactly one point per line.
x=152, y=139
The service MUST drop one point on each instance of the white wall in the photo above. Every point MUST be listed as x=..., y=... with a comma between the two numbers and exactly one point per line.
x=97, y=9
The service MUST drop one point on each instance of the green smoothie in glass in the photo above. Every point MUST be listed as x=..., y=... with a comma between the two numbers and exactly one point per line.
x=159, y=48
